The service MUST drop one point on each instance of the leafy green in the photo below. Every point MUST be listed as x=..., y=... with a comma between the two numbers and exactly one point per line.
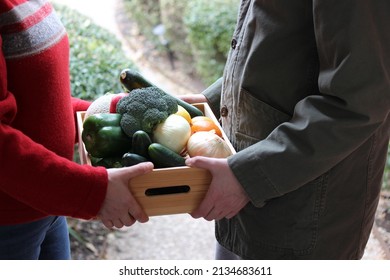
x=96, y=56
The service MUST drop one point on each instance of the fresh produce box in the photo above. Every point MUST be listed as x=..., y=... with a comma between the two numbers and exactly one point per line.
x=167, y=190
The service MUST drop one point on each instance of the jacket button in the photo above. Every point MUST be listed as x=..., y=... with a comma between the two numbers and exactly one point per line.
x=234, y=43
x=224, y=111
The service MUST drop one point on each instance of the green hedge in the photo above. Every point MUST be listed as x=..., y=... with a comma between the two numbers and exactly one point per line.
x=96, y=56
x=199, y=31
x=146, y=13
x=176, y=32
x=210, y=26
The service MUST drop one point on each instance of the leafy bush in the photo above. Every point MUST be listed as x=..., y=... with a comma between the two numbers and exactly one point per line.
x=146, y=13
x=210, y=26
x=199, y=31
x=96, y=56
x=176, y=33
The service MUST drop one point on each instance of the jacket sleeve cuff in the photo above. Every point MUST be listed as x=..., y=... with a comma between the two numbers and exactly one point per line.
x=213, y=96
x=257, y=186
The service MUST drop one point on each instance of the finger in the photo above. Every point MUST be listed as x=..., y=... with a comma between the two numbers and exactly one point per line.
x=138, y=169
x=231, y=214
x=204, y=208
x=137, y=212
x=118, y=223
x=200, y=162
x=193, y=98
x=128, y=220
x=215, y=214
x=108, y=224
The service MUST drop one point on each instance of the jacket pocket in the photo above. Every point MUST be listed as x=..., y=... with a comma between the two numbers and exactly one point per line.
x=285, y=226
x=255, y=119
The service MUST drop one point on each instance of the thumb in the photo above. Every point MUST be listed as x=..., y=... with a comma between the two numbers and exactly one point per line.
x=200, y=162
x=137, y=170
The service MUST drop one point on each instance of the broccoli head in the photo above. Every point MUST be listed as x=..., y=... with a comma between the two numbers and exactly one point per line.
x=144, y=108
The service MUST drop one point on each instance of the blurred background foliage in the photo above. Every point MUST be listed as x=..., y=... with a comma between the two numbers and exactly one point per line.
x=210, y=25
x=96, y=56
x=198, y=31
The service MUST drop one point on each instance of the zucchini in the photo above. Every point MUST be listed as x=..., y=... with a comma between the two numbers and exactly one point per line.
x=140, y=143
x=130, y=159
x=162, y=156
x=131, y=79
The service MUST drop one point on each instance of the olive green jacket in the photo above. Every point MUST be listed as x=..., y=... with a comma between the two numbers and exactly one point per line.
x=305, y=100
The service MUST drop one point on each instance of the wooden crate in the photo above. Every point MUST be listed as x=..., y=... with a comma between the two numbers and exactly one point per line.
x=166, y=191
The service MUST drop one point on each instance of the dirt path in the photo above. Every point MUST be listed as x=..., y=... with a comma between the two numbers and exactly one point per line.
x=154, y=65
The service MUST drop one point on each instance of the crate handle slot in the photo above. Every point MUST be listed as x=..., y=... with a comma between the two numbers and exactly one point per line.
x=167, y=190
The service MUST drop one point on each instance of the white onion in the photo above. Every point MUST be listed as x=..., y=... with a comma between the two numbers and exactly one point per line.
x=173, y=133
x=207, y=144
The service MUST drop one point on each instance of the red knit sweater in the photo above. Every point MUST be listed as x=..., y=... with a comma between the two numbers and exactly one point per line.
x=37, y=121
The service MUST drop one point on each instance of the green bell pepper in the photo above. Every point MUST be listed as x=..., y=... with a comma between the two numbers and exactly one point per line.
x=107, y=162
x=103, y=136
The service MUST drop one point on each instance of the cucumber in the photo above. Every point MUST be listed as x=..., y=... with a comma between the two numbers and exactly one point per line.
x=140, y=143
x=191, y=109
x=130, y=159
x=131, y=79
x=162, y=156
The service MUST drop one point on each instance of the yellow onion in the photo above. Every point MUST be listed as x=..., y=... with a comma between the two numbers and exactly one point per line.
x=207, y=144
x=173, y=133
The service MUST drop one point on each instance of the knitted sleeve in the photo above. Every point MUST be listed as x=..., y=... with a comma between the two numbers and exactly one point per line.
x=37, y=177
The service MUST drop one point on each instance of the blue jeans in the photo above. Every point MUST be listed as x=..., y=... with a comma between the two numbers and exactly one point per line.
x=45, y=239
x=221, y=253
